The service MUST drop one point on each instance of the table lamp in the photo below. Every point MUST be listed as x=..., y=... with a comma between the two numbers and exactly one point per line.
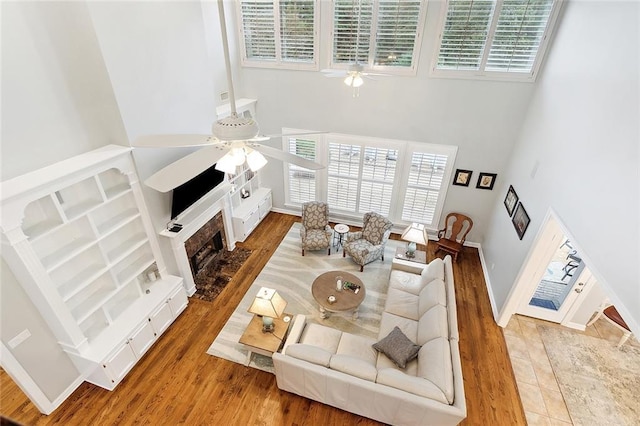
x=269, y=305
x=415, y=234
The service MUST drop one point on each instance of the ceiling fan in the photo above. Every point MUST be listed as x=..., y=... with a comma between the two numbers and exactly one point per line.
x=354, y=75
x=234, y=141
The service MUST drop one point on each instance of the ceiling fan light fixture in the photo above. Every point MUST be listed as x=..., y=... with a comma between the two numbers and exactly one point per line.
x=354, y=80
x=227, y=164
x=256, y=161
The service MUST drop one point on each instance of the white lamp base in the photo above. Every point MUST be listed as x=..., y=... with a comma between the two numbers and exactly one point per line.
x=267, y=324
x=411, y=249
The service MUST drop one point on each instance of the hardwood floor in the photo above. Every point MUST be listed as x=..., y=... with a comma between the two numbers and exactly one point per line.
x=177, y=382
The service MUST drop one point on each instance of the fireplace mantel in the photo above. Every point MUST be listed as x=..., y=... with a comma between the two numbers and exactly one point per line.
x=194, y=218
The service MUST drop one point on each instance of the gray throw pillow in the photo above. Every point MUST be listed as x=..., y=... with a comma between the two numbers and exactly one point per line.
x=397, y=347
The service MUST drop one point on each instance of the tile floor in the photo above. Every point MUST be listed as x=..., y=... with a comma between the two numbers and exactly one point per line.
x=541, y=398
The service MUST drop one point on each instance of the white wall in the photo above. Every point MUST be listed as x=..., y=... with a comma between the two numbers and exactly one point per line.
x=56, y=103
x=582, y=130
x=56, y=96
x=482, y=118
x=165, y=64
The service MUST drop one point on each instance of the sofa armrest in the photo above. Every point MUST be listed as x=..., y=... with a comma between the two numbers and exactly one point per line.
x=295, y=331
x=408, y=266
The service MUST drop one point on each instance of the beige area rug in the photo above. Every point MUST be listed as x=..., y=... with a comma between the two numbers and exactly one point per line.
x=291, y=275
x=599, y=382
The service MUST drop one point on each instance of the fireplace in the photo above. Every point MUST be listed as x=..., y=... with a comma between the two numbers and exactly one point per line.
x=206, y=254
x=203, y=246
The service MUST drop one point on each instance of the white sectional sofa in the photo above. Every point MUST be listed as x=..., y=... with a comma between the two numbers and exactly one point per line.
x=345, y=371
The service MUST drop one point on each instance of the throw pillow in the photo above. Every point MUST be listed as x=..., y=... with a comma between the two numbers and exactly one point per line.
x=397, y=346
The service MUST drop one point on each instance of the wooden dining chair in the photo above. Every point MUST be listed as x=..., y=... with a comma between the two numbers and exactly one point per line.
x=453, y=235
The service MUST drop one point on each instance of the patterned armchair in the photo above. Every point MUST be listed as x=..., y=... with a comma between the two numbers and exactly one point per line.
x=315, y=231
x=368, y=245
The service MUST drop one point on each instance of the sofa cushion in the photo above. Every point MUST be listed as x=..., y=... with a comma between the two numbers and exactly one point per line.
x=353, y=366
x=403, y=304
x=309, y=353
x=434, y=364
x=359, y=347
x=434, y=270
x=397, y=347
x=388, y=321
x=416, y=385
x=321, y=336
x=433, y=324
x=432, y=294
x=405, y=281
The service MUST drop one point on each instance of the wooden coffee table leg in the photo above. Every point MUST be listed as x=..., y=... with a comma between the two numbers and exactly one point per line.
x=323, y=312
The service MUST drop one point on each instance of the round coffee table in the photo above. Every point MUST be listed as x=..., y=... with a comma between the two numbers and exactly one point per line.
x=345, y=300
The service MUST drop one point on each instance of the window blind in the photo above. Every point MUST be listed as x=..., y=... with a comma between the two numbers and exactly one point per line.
x=286, y=37
x=521, y=26
x=426, y=177
x=301, y=181
x=381, y=33
x=502, y=36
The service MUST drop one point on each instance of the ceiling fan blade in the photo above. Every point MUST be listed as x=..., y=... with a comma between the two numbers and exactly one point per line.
x=287, y=157
x=173, y=141
x=180, y=171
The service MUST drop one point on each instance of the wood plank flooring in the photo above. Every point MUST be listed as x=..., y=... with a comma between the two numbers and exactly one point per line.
x=178, y=383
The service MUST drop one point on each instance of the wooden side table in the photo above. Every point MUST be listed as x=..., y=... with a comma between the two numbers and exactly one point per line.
x=420, y=256
x=263, y=343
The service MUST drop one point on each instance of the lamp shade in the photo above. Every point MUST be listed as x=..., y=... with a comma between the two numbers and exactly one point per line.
x=256, y=160
x=268, y=303
x=415, y=233
x=226, y=164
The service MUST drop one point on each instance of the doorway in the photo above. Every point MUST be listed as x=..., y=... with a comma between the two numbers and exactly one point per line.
x=554, y=282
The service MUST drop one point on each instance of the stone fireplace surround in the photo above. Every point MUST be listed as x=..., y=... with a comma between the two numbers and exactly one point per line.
x=210, y=214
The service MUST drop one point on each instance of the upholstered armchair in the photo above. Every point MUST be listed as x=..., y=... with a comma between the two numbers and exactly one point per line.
x=368, y=245
x=315, y=231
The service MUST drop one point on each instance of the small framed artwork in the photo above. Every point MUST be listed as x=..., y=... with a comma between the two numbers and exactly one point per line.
x=511, y=200
x=520, y=220
x=462, y=177
x=486, y=180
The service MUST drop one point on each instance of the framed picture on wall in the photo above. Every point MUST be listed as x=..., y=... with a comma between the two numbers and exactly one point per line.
x=486, y=180
x=511, y=200
x=462, y=177
x=520, y=220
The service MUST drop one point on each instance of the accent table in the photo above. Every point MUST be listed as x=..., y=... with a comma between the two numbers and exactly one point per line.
x=340, y=230
x=263, y=343
x=420, y=256
x=345, y=300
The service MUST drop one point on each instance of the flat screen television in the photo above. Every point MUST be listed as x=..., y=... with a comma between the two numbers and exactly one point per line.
x=191, y=191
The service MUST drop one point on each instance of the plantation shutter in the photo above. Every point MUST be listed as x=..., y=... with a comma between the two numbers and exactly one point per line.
x=351, y=27
x=343, y=176
x=425, y=183
x=302, y=182
x=397, y=32
x=258, y=24
x=297, y=31
x=378, y=173
x=521, y=26
x=465, y=34
x=279, y=32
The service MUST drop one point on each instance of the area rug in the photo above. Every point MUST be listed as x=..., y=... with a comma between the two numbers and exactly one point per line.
x=213, y=278
x=291, y=274
x=599, y=382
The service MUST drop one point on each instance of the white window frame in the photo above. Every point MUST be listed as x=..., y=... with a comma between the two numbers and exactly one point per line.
x=370, y=66
x=405, y=152
x=482, y=74
x=278, y=63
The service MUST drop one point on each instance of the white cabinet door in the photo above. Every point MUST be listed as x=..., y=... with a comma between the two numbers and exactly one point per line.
x=161, y=318
x=265, y=206
x=178, y=301
x=120, y=363
x=142, y=338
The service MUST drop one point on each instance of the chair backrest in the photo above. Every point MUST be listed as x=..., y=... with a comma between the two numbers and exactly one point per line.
x=315, y=215
x=374, y=227
x=456, y=227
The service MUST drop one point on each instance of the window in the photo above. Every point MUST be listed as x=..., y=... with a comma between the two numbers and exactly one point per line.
x=503, y=38
x=302, y=182
x=286, y=39
x=382, y=35
x=404, y=181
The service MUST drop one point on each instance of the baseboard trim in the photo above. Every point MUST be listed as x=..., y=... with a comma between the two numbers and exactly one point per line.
x=66, y=393
x=485, y=271
x=574, y=325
